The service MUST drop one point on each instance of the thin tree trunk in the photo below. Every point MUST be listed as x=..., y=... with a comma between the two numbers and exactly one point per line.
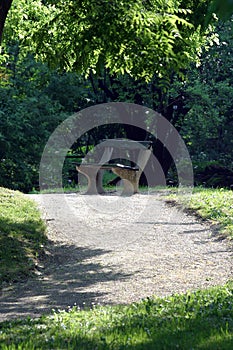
x=4, y=9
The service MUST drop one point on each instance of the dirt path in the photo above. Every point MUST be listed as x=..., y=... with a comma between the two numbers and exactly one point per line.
x=113, y=249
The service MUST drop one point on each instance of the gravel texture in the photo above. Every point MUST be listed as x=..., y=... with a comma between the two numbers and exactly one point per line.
x=110, y=249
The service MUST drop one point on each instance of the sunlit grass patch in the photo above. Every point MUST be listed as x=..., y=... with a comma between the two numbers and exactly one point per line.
x=212, y=204
x=22, y=233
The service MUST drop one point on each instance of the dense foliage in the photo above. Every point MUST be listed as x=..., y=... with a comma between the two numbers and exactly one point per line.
x=140, y=38
x=208, y=127
x=35, y=98
x=33, y=104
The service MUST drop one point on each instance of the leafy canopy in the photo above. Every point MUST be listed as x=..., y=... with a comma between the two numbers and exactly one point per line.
x=141, y=38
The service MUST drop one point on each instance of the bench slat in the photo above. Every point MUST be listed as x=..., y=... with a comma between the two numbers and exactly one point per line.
x=106, y=166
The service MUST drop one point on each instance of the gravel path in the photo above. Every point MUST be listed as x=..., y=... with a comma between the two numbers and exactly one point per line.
x=111, y=249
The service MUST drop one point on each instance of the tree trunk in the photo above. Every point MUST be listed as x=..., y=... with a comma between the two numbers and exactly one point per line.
x=4, y=8
x=174, y=111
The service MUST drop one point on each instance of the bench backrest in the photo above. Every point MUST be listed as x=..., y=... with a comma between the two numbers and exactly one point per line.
x=143, y=157
x=106, y=155
x=137, y=152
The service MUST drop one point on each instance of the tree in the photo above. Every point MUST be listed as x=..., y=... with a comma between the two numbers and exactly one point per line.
x=138, y=37
x=141, y=38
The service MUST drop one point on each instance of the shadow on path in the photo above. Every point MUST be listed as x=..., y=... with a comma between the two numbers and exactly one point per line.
x=67, y=280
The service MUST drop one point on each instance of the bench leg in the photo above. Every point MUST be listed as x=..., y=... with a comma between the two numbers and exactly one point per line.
x=99, y=181
x=130, y=180
x=94, y=177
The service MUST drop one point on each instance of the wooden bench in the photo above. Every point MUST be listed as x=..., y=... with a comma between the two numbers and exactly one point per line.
x=130, y=175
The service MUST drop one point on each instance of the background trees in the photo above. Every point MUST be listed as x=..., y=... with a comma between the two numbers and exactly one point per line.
x=210, y=97
x=36, y=97
x=32, y=104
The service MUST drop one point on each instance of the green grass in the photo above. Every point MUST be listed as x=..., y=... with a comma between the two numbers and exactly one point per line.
x=66, y=189
x=212, y=204
x=198, y=320
x=22, y=233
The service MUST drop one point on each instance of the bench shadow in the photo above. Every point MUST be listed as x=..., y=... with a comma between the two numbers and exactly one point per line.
x=67, y=278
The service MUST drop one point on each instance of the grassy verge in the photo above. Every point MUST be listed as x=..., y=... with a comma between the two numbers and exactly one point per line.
x=21, y=235
x=198, y=320
x=212, y=204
